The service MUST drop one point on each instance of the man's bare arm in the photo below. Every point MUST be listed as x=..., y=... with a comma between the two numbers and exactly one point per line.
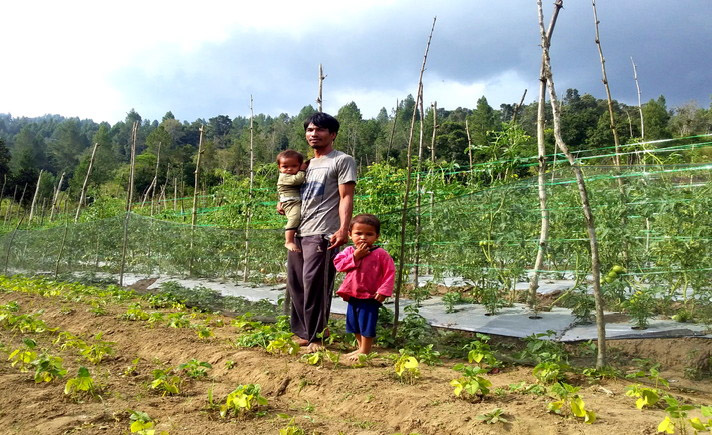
x=346, y=208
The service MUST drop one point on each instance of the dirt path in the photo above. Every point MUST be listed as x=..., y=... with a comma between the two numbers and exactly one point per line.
x=328, y=400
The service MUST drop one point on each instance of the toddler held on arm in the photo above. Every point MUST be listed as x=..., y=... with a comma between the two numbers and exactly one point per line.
x=291, y=176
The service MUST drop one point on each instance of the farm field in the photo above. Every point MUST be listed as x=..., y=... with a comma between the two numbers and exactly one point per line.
x=123, y=338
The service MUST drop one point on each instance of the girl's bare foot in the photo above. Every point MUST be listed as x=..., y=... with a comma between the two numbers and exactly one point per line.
x=291, y=246
x=354, y=356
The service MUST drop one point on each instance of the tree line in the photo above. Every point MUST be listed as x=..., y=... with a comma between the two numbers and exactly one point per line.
x=167, y=149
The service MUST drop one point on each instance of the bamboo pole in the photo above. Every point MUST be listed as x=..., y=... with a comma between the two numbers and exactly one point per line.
x=246, y=271
x=469, y=146
x=418, y=196
x=56, y=196
x=404, y=213
x=9, y=245
x=64, y=238
x=435, y=129
x=129, y=201
x=319, y=99
x=393, y=131
x=640, y=106
x=541, y=182
x=585, y=204
x=34, y=197
x=83, y=193
x=194, y=213
x=518, y=106
x=9, y=206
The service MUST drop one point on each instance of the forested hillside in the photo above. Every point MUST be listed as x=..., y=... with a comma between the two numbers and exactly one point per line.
x=167, y=148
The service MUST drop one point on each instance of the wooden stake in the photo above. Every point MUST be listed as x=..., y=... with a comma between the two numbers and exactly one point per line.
x=585, y=204
x=640, y=106
x=404, y=213
x=129, y=201
x=246, y=271
x=56, y=196
x=519, y=106
x=541, y=152
x=83, y=193
x=319, y=100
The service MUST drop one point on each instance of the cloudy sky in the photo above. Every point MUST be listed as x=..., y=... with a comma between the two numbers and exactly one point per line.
x=99, y=59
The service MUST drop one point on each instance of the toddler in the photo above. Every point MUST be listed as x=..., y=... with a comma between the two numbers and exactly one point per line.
x=370, y=273
x=291, y=176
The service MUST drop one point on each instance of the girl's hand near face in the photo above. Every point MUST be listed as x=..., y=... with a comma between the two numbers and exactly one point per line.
x=361, y=251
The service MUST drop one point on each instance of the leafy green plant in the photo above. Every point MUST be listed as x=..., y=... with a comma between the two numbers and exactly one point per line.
x=548, y=372
x=291, y=427
x=493, y=417
x=195, y=369
x=570, y=400
x=142, y=424
x=135, y=313
x=645, y=396
x=472, y=385
x=178, y=320
x=82, y=384
x=23, y=357
x=321, y=357
x=97, y=351
x=283, y=345
x=204, y=332
x=425, y=354
x=480, y=352
x=406, y=367
x=48, y=368
x=244, y=399
x=539, y=350
x=676, y=418
x=703, y=426
x=166, y=381
x=450, y=299
x=640, y=307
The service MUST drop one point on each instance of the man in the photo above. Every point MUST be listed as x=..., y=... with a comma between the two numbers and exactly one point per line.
x=327, y=205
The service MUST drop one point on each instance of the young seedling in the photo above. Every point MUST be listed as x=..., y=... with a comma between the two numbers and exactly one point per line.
x=283, y=345
x=406, y=368
x=244, y=399
x=676, y=418
x=471, y=385
x=142, y=424
x=195, y=369
x=646, y=396
x=165, y=381
x=22, y=358
x=320, y=357
x=570, y=400
x=48, y=368
x=83, y=384
x=493, y=417
x=96, y=352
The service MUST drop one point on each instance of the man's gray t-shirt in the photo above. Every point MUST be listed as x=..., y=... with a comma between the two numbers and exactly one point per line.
x=320, y=192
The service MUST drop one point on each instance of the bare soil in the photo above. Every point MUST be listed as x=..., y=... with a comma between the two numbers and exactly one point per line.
x=325, y=400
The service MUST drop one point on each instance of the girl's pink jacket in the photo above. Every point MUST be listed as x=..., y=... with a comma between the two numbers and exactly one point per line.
x=374, y=273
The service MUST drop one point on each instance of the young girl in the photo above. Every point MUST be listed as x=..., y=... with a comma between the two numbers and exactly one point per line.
x=370, y=274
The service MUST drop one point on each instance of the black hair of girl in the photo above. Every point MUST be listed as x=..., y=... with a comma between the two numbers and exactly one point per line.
x=366, y=219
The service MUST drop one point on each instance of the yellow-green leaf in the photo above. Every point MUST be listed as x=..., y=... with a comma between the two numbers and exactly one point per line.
x=666, y=426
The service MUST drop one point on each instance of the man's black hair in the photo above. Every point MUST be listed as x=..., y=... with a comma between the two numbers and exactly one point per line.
x=323, y=120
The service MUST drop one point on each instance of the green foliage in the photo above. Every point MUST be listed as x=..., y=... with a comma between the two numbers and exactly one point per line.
x=47, y=368
x=640, y=307
x=480, y=352
x=195, y=369
x=23, y=357
x=243, y=400
x=472, y=385
x=406, y=368
x=283, y=345
x=548, y=372
x=570, y=401
x=539, y=350
x=166, y=382
x=82, y=384
x=645, y=396
x=260, y=335
x=142, y=424
x=493, y=417
x=321, y=357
